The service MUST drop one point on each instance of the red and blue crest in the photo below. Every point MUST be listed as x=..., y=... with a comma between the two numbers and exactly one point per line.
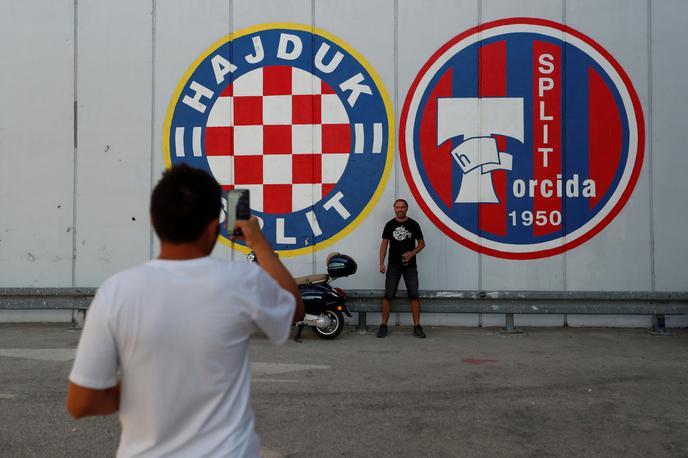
x=297, y=117
x=522, y=138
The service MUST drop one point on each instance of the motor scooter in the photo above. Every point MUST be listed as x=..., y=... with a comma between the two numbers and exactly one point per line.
x=324, y=305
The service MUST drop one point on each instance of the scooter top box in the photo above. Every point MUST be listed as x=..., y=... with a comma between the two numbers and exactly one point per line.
x=340, y=265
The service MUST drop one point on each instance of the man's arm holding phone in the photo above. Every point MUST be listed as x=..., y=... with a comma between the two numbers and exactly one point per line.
x=270, y=263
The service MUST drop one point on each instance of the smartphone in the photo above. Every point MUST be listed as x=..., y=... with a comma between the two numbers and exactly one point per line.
x=238, y=207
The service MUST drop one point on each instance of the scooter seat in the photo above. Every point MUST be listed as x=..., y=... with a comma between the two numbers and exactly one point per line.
x=310, y=279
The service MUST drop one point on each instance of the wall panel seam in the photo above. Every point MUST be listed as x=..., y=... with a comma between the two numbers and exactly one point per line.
x=479, y=5
x=648, y=143
x=76, y=127
x=564, y=257
x=151, y=239
x=313, y=255
x=396, y=99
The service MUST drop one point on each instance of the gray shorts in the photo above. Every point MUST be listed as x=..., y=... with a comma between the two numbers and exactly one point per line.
x=394, y=274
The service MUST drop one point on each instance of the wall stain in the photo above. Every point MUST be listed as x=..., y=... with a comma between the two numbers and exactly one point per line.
x=477, y=361
x=104, y=256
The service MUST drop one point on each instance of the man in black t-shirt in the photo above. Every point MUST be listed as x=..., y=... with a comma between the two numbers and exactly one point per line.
x=401, y=234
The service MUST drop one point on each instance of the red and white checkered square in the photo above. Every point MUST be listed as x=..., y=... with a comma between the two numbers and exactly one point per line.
x=282, y=133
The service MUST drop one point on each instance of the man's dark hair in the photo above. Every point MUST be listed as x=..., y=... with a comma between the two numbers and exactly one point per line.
x=183, y=202
x=401, y=200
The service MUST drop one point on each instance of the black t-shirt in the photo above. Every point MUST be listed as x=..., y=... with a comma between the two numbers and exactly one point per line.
x=402, y=237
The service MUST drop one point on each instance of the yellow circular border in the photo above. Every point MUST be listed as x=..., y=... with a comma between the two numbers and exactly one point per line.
x=361, y=60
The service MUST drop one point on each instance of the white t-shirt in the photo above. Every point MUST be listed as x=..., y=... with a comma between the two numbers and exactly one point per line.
x=178, y=331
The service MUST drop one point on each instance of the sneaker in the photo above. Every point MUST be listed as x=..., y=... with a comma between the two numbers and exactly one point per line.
x=382, y=331
x=418, y=332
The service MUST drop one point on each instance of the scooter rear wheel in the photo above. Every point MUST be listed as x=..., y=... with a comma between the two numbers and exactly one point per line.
x=335, y=328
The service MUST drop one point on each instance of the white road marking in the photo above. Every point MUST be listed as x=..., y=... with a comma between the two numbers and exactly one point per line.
x=7, y=396
x=269, y=453
x=40, y=354
x=260, y=369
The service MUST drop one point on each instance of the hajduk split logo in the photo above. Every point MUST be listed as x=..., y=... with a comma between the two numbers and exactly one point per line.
x=296, y=116
x=522, y=138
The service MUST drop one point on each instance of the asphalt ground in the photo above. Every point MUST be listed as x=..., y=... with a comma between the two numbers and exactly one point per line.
x=460, y=392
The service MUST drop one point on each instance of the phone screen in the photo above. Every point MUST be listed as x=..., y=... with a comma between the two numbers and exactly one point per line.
x=238, y=207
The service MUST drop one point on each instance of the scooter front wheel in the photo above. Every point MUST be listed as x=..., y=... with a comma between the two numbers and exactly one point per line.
x=335, y=327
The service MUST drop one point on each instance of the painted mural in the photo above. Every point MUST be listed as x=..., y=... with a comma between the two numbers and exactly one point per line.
x=521, y=138
x=297, y=117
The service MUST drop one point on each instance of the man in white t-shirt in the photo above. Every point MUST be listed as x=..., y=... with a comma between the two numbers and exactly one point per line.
x=165, y=343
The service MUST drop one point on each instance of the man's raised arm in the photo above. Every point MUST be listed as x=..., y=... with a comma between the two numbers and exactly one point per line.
x=270, y=263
